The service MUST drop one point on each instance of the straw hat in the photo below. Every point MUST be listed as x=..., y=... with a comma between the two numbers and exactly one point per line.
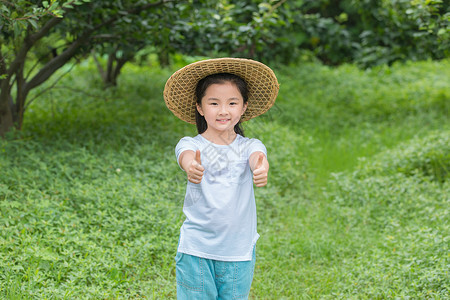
x=179, y=92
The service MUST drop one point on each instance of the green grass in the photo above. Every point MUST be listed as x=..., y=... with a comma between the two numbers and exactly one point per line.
x=357, y=206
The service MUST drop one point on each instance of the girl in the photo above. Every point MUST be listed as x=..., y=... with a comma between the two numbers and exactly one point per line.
x=216, y=250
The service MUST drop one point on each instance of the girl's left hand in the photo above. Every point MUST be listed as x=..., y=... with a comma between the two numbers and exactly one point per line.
x=260, y=171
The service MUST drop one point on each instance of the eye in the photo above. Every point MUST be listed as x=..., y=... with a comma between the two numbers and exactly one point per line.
x=233, y=103
x=212, y=103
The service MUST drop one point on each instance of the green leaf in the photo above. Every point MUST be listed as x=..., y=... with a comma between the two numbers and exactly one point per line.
x=58, y=13
x=33, y=23
x=441, y=31
x=17, y=29
x=5, y=9
x=54, y=6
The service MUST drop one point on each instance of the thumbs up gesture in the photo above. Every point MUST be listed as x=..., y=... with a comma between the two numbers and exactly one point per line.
x=195, y=170
x=260, y=171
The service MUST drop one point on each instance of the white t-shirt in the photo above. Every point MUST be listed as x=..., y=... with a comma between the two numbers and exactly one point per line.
x=220, y=211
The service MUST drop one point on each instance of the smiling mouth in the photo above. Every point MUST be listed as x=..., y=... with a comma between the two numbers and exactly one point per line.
x=223, y=120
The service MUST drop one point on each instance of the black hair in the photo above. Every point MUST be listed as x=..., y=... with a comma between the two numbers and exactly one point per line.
x=218, y=78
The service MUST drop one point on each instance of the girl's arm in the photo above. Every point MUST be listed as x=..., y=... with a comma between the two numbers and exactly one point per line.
x=191, y=163
x=260, y=168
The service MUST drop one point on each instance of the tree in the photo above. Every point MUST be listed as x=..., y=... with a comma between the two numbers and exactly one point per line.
x=121, y=41
x=234, y=28
x=25, y=25
x=369, y=32
x=201, y=27
x=39, y=37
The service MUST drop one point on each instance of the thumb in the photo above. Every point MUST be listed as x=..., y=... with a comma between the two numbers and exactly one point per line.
x=197, y=157
x=259, y=163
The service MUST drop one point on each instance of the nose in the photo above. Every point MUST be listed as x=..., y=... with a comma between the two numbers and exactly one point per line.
x=223, y=110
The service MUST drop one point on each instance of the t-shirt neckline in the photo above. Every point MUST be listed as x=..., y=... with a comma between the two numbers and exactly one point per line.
x=217, y=145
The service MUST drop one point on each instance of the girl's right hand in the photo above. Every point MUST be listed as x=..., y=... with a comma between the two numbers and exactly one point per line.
x=195, y=170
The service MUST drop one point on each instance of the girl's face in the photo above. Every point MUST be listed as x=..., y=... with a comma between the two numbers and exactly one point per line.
x=222, y=106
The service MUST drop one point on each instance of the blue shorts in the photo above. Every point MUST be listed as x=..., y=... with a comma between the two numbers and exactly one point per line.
x=201, y=278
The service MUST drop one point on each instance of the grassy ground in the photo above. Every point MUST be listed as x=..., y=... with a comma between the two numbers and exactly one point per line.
x=357, y=205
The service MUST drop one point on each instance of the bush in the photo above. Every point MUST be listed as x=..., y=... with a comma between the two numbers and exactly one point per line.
x=429, y=157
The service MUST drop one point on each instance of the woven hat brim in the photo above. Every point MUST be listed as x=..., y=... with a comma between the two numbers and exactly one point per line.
x=179, y=91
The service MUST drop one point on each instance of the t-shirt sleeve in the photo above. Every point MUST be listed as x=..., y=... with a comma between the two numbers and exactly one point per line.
x=254, y=145
x=186, y=143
